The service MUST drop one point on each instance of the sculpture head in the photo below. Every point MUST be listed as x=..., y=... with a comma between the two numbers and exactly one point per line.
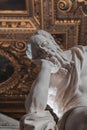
x=43, y=46
x=48, y=36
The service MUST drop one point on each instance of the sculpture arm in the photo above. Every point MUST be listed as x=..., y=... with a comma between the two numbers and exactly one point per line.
x=37, y=98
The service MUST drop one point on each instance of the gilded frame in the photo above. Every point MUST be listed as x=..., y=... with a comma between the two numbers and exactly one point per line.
x=65, y=46
x=16, y=12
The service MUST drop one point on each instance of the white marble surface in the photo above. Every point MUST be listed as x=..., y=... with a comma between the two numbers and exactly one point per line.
x=7, y=123
x=61, y=82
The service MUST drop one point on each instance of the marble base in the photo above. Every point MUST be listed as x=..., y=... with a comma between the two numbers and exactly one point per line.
x=7, y=123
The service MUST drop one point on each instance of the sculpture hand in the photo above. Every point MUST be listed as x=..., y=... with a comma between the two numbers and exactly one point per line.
x=42, y=61
x=53, y=67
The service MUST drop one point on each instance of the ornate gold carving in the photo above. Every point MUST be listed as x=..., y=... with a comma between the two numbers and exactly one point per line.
x=38, y=12
x=17, y=85
x=42, y=14
x=72, y=28
x=12, y=81
x=64, y=5
x=14, y=35
x=19, y=47
x=84, y=7
x=63, y=22
x=16, y=24
x=17, y=19
x=67, y=22
x=3, y=24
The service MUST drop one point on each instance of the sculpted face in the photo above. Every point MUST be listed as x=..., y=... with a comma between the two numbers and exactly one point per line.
x=42, y=48
x=48, y=36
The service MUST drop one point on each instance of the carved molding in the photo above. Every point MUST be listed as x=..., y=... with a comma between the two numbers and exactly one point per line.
x=19, y=82
x=38, y=12
x=72, y=29
x=11, y=81
x=66, y=6
x=15, y=33
x=30, y=19
x=15, y=12
x=17, y=24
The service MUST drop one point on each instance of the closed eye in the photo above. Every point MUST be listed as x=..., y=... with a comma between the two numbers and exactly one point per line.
x=44, y=43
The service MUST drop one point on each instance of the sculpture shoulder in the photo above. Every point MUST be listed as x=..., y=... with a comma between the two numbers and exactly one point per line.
x=78, y=50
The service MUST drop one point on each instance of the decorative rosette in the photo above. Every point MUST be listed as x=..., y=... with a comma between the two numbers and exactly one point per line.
x=64, y=5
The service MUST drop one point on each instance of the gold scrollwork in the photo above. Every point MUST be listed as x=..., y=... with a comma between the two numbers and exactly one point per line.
x=64, y=5
x=14, y=24
x=17, y=24
x=12, y=81
x=19, y=46
x=3, y=24
x=68, y=5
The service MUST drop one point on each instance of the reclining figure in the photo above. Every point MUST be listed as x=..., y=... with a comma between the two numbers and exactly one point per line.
x=61, y=83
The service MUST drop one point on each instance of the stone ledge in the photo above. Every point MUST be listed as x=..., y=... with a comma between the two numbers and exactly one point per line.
x=7, y=123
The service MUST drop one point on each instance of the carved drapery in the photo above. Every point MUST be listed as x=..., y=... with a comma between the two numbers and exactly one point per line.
x=65, y=19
